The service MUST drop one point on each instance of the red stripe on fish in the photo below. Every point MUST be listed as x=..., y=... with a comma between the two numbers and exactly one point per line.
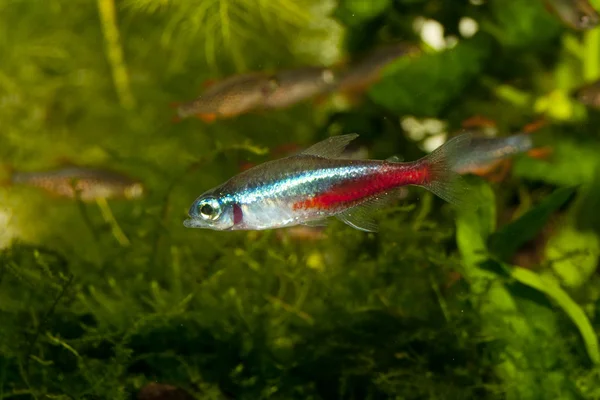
x=390, y=176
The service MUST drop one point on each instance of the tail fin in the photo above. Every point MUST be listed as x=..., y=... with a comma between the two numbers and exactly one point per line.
x=175, y=105
x=443, y=181
x=6, y=175
x=540, y=152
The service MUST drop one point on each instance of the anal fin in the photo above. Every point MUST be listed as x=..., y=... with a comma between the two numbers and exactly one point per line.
x=362, y=216
x=208, y=118
x=317, y=223
x=540, y=152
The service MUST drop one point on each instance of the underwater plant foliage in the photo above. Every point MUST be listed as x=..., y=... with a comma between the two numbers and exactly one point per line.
x=495, y=300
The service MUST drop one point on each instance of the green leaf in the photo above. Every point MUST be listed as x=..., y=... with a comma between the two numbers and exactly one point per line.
x=508, y=239
x=424, y=85
x=521, y=23
x=587, y=217
x=474, y=225
x=573, y=161
x=572, y=309
x=573, y=255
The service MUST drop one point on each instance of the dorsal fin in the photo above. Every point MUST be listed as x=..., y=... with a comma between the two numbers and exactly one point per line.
x=332, y=147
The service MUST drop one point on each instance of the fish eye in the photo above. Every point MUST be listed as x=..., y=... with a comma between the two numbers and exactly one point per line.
x=209, y=209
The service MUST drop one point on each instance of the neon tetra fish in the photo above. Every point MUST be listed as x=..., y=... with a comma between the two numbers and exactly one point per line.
x=229, y=98
x=577, y=14
x=316, y=184
x=87, y=184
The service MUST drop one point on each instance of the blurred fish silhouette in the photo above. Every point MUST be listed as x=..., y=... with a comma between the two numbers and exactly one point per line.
x=589, y=95
x=88, y=184
x=486, y=154
x=296, y=85
x=229, y=98
x=302, y=233
x=369, y=70
x=577, y=14
x=160, y=391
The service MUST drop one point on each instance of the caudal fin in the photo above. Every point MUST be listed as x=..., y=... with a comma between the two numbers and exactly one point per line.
x=6, y=175
x=175, y=105
x=533, y=151
x=442, y=180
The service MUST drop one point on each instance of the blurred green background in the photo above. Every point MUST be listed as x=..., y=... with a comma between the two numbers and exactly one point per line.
x=500, y=302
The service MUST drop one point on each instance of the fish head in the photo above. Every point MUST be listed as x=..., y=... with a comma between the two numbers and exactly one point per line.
x=210, y=211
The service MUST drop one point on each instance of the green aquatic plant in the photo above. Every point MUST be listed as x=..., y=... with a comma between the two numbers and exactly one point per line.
x=499, y=300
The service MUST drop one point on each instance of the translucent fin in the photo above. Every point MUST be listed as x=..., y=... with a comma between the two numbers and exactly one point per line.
x=361, y=216
x=316, y=223
x=208, y=83
x=394, y=159
x=208, y=118
x=540, y=152
x=330, y=148
x=535, y=126
x=358, y=218
x=7, y=175
x=443, y=181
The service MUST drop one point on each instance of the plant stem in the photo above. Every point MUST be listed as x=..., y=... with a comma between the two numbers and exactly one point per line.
x=114, y=52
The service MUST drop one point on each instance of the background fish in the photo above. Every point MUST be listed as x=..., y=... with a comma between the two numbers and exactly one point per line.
x=589, y=95
x=315, y=184
x=86, y=183
x=485, y=154
x=365, y=72
x=578, y=14
x=229, y=98
x=296, y=85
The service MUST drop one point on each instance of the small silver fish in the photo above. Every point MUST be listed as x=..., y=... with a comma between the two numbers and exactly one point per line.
x=315, y=184
x=578, y=14
x=229, y=98
x=296, y=85
x=367, y=71
x=88, y=184
x=589, y=95
x=485, y=154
